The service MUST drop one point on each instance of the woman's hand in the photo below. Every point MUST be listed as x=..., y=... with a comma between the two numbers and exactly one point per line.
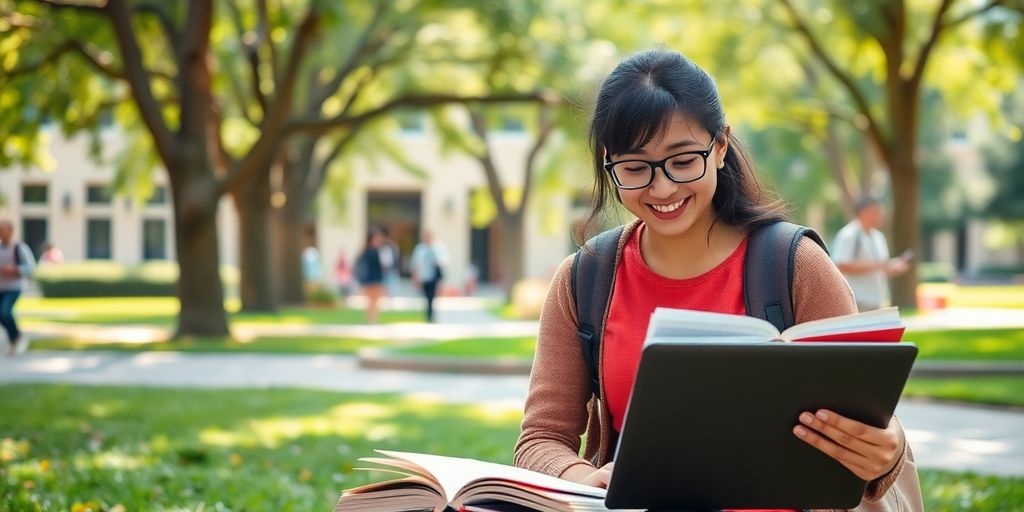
x=587, y=475
x=867, y=451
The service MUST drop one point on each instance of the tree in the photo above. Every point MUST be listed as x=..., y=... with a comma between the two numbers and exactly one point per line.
x=904, y=42
x=175, y=101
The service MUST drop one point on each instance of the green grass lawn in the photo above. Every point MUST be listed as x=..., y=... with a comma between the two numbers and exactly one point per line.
x=253, y=450
x=973, y=344
x=161, y=311
x=78, y=447
x=1002, y=390
x=517, y=348
x=1008, y=296
x=265, y=344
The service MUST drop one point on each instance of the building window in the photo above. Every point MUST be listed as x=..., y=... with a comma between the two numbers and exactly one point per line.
x=97, y=194
x=34, y=233
x=97, y=239
x=158, y=197
x=34, y=194
x=154, y=239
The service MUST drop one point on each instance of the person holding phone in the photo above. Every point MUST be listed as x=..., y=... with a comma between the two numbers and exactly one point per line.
x=862, y=255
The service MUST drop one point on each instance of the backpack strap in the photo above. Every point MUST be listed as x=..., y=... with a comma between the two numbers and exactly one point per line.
x=592, y=276
x=767, y=292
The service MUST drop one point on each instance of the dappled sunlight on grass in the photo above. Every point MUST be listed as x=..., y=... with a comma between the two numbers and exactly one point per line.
x=249, y=449
x=263, y=344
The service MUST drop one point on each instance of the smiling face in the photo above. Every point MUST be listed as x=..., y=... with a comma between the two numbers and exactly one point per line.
x=667, y=208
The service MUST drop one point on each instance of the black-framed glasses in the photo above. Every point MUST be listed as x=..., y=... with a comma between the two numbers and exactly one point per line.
x=682, y=167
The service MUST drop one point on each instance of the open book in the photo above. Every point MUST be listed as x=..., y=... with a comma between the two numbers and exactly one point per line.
x=670, y=325
x=436, y=483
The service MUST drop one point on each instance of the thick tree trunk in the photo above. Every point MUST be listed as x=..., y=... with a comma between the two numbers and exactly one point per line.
x=200, y=292
x=256, y=271
x=512, y=248
x=906, y=225
x=904, y=170
x=290, y=222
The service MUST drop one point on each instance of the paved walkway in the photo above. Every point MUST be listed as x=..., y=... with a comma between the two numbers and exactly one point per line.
x=944, y=436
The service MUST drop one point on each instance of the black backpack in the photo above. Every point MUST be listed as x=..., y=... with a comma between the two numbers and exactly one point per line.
x=767, y=293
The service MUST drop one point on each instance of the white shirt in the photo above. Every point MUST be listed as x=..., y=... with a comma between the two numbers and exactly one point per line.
x=852, y=244
x=425, y=257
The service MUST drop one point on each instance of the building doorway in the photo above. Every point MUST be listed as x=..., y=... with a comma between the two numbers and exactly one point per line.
x=399, y=214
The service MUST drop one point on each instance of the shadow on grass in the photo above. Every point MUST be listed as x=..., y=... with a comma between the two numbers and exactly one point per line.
x=247, y=449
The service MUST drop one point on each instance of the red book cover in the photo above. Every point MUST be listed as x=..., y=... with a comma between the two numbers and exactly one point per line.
x=883, y=335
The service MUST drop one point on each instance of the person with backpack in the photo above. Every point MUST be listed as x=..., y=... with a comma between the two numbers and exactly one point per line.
x=705, y=237
x=428, y=261
x=16, y=265
x=370, y=273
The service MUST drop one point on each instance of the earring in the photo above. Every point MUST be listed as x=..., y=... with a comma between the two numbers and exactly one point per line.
x=721, y=165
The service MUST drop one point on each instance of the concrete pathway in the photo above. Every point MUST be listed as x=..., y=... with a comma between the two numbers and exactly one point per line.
x=944, y=436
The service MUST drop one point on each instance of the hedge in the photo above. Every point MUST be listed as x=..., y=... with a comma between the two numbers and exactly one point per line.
x=111, y=279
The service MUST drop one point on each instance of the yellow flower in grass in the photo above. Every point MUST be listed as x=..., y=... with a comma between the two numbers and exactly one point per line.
x=305, y=475
x=235, y=459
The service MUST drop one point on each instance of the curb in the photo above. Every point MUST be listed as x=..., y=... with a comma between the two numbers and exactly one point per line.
x=377, y=359
x=374, y=358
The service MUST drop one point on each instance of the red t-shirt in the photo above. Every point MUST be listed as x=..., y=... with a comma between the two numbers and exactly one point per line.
x=638, y=290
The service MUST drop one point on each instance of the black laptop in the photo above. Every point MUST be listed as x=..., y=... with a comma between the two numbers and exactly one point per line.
x=709, y=425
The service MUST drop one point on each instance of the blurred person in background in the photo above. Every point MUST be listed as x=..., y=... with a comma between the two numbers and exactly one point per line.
x=862, y=255
x=52, y=255
x=16, y=265
x=370, y=273
x=428, y=261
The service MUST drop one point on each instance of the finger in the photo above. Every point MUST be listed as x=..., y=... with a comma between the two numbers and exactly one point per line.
x=873, y=435
x=840, y=437
x=856, y=463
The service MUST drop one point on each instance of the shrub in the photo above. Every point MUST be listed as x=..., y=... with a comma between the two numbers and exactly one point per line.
x=111, y=279
x=935, y=272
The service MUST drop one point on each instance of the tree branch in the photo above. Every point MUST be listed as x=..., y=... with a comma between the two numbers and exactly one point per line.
x=545, y=128
x=318, y=125
x=251, y=54
x=478, y=121
x=874, y=131
x=90, y=7
x=264, y=37
x=971, y=14
x=272, y=127
x=319, y=173
x=138, y=78
x=926, y=49
x=166, y=20
x=367, y=44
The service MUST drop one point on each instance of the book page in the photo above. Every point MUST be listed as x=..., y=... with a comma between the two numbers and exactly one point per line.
x=886, y=319
x=455, y=473
x=684, y=323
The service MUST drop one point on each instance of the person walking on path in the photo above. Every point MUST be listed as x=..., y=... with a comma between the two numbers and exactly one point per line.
x=370, y=274
x=16, y=265
x=862, y=255
x=428, y=261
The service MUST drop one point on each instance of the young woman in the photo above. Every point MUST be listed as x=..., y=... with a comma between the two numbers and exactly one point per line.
x=370, y=273
x=662, y=147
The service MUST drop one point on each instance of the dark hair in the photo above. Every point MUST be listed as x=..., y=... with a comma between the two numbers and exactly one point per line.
x=865, y=201
x=636, y=103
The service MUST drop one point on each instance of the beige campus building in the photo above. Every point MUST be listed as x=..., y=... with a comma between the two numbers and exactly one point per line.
x=70, y=205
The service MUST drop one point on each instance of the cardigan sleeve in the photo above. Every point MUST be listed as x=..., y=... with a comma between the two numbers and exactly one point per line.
x=555, y=414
